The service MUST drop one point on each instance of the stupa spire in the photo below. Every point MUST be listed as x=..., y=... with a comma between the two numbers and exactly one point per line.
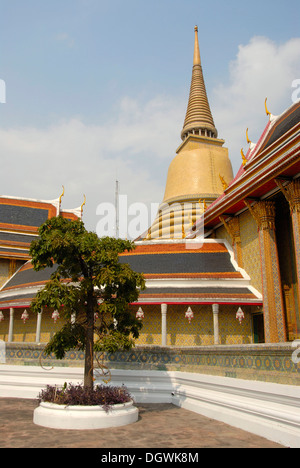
x=197, y=59
x=198, y=118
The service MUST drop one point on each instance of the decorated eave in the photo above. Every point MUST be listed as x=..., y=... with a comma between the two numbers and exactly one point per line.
x=23, y=286
x=186, y=272
x=181, y=272
x=276, y=157
x=20, y=219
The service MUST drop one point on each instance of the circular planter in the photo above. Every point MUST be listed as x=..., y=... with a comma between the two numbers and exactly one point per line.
x=84, y=417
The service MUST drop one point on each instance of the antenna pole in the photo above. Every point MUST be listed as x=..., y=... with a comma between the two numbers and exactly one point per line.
x=117, y=209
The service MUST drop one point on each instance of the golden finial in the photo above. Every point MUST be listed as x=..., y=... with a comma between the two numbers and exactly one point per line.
x=225, y=185
x=203, y=204
x=267, y=111
x=248, y=141
x=197, y=59
x=245, y=160
x=83, y=204
x=63, y=192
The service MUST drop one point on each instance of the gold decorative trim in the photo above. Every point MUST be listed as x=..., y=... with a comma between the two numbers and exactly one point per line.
x=291, y=193
x=264, y=214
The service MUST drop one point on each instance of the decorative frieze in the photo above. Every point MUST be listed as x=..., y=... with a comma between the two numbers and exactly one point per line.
x=264, y=214
x=271, y=363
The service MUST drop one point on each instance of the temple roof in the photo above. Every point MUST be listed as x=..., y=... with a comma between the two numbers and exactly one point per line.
x=20, y=219
x=274, y=156
x=19, y=214
x=167, y=260
x=175, y=272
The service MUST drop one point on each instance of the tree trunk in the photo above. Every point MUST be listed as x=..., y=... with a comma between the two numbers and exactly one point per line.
x=89, y=347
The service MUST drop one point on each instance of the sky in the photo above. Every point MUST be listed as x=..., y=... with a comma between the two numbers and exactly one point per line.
x=96, y=91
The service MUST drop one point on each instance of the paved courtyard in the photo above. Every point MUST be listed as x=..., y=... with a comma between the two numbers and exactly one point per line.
x=159, y=426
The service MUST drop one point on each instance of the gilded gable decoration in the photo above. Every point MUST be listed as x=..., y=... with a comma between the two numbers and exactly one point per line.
x=264, y=214
x=291, y=191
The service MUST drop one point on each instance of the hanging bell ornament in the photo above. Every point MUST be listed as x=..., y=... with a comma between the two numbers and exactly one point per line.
x=55, y=316
x=240, y=315
x=25, y=316
x=140, y=314
x=189, y=315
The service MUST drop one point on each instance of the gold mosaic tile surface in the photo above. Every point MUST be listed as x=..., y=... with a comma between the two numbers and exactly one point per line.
x=250, y=249
x=180, y=332
x=200, y=331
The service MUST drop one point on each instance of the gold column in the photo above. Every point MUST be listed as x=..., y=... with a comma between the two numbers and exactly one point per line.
x=232, y=226
x=12, y=267
x=275, y=327
x=292, y=195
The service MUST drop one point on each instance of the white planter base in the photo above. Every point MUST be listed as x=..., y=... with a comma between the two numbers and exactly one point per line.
x=84, y=417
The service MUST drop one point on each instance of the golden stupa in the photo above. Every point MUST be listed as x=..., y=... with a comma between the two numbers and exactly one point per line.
x=200, y=168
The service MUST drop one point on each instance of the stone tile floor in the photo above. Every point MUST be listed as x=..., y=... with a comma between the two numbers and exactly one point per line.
x=159, y=426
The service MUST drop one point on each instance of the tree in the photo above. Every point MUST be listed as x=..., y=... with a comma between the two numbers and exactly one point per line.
x=87, y=279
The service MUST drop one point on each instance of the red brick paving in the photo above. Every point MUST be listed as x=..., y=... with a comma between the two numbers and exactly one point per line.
x=159, y=426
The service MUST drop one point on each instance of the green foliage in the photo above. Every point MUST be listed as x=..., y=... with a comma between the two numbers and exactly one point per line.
x=114, y=342
x=71, y=336
x=87, y=278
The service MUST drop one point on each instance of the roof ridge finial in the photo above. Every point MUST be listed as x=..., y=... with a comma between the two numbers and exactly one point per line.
x=197, y=59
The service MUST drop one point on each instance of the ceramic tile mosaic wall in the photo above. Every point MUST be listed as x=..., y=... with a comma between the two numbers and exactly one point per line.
x=200, y=331
x=269, y=363
x=180, y=332
x=26, y=333
x=249, y=245
x=4, y=271
x=250, y=249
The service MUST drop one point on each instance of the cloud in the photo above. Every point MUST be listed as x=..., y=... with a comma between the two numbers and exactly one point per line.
x=66, y=39
x=136, y=147
x=261, y=69
x=138, y=140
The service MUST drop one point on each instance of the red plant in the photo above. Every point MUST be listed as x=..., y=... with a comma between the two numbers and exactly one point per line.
x=75, y=395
